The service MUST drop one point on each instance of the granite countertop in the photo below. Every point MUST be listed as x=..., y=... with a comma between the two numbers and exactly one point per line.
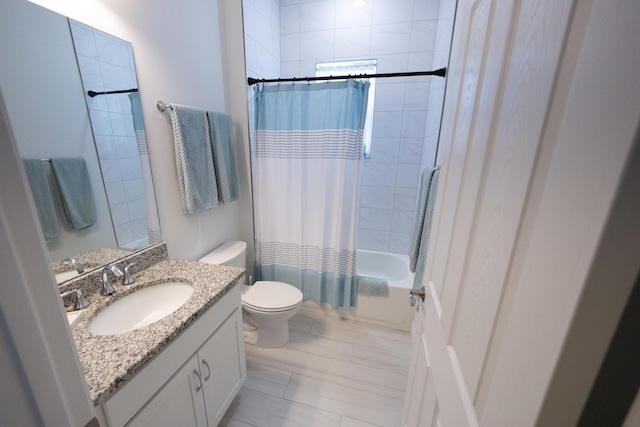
x=110, y=360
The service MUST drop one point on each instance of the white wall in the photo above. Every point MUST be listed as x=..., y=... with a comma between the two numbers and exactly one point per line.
x=178, y=50
x=401, y=35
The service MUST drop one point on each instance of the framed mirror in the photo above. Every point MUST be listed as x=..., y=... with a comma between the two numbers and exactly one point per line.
x=49, y=66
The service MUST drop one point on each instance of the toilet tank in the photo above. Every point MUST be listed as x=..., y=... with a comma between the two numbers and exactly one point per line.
x=232, y=253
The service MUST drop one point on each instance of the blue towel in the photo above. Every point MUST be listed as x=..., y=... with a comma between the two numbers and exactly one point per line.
x=224, y=156
x=42, y=198
x=78, y=204
x=422, y=224
x=194, y=161
x=373, y=286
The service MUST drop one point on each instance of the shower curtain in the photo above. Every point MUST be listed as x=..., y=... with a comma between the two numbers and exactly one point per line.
x=306, y=167
x=153, y=222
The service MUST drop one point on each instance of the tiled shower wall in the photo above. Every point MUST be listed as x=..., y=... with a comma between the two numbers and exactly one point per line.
x=401, y=35
x=262, y=42
x=106, y=63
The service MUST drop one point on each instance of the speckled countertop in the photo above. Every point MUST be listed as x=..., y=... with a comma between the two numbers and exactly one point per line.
x=110, y=360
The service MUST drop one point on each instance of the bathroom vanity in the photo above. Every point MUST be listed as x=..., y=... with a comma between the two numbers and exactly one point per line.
x=184, y=369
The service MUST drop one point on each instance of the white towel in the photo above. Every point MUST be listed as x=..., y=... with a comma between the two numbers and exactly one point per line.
x=422, y=224
x=194, y=160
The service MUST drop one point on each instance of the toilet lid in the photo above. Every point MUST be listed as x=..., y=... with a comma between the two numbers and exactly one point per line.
x=272, y=296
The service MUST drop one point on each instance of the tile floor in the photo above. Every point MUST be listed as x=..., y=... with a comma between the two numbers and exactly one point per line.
x=333, y=372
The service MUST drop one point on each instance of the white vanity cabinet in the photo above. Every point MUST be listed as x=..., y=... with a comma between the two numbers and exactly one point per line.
x=193, y=380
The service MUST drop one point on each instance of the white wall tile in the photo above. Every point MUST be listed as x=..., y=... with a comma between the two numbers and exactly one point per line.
x=130, y=169
x=387, y=124
x=317, y=15
x=110, y=170
x=416, y=95
x=389, y=96
x=290, y=47
x=405, y=198
x=373, y=240
x=399, y=242
x=119, y=213
x=402, y=221
x=423, y=35
x=316, y=44
x=124, y=233
x=426, y=9
x=349, y=16
x=384, y=150
x=375, y=197
x=352, y=42
x=387, y=12
x=290, y=19
x=408, y=175
x=380, y=174
x=133, y=189
x=411, y=150
x=413, y=123
x=137, y=209
x=391, y=38
x=376, y=219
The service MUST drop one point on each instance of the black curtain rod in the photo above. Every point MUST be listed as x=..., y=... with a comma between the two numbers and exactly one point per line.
x=92, y=93
x=442, y=72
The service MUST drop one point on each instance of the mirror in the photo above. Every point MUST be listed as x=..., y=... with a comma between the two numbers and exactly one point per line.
x=54, y=63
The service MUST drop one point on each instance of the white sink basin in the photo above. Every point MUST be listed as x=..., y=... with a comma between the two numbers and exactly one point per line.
x=141, y=308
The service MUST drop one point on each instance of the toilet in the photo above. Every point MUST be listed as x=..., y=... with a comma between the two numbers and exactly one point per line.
x=267, y=305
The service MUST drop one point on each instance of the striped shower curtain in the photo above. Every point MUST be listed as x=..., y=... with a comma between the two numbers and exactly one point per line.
x=306, y=167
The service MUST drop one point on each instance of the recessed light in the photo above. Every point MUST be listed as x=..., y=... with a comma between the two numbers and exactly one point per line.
x=358, y=3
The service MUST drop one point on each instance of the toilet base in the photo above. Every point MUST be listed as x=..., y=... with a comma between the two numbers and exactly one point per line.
x=272, y=328
x=274, y=336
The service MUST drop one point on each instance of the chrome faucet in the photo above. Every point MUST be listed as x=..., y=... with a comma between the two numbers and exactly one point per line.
x=128, y=278
x=79, y=268
x=107, y=288
x=81, y=301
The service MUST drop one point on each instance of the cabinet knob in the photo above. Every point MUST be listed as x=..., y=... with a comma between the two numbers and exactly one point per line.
x=206, y=378
x=199, y=386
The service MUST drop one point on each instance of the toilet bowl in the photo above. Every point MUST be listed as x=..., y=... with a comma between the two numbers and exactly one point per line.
x=266, y=305
x=269, y=306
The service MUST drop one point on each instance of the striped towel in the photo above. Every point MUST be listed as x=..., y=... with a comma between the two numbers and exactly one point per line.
x=194, y=160
x=422, y=224
x=223, y=148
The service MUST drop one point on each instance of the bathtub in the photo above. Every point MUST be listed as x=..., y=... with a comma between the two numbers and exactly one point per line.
x=392, y=311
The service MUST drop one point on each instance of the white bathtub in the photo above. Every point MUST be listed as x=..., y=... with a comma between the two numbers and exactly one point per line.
x=392, y=311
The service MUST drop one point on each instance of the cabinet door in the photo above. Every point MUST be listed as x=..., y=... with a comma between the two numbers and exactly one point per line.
x=223, y=368
x=178, y=403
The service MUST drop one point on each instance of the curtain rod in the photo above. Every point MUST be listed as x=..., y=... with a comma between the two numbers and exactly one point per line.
x=92, y=93
x=442, y=72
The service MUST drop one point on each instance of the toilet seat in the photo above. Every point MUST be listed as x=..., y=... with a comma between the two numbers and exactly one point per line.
x=270, y=297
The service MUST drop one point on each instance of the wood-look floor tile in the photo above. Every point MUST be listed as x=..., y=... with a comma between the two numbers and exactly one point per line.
x=391, y=360
x=320, y=346
x=301, y=323
x=266, y=380
x=228, y=422
x=358, y=404
x=327, y=322
x=263, y=410
x=341, y=372
x=351, y=422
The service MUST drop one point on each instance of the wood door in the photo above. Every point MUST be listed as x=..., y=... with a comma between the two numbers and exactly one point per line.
x=522, y=201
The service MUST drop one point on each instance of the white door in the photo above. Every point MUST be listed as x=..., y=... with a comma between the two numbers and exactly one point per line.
x=531, y=158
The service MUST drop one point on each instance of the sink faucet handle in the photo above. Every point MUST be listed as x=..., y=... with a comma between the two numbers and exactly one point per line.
x=76, y=264
x=128, y=278
x=81, y=301
x=107, y=287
